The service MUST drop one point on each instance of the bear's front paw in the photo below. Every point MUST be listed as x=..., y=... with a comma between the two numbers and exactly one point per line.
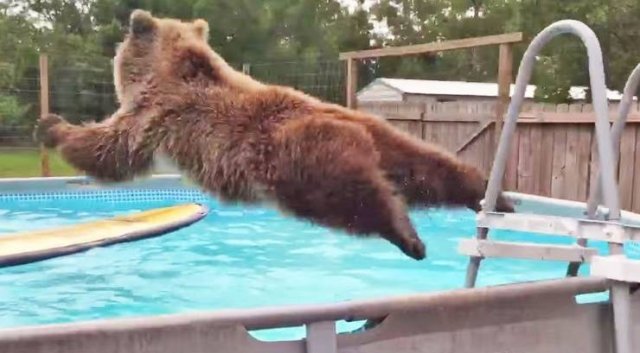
x=414, y=248
x=43, y=132
x=505, y=205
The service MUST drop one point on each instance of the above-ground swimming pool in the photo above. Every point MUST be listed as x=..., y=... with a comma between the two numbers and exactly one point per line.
x=236, y=257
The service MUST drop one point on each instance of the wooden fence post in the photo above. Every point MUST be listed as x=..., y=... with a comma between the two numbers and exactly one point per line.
x=503, y=40
x=505, y=77
x=352, y=82
x=44, y=110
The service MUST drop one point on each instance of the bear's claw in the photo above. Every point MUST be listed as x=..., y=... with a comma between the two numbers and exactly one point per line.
x=415, y=249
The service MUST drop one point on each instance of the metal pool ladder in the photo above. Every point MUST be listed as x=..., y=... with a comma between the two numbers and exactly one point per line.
x=602, y=222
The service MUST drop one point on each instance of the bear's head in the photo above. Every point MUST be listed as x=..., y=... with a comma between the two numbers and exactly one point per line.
x=169, y=52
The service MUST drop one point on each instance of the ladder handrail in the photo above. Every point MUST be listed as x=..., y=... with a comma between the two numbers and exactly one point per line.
x=608, y=190
x=605, y=148
x=598, y=88
x=630, y=88
x=595, y=197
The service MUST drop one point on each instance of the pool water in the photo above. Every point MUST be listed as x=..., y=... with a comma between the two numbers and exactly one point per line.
x=234, y=258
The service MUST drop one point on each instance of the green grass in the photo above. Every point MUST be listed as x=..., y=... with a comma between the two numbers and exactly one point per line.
x=18, y=163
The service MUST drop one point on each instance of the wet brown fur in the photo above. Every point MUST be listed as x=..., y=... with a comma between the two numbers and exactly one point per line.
x=245, y=141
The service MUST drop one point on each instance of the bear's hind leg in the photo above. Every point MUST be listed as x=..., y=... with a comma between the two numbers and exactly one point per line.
x=428, y=176
x=328, y=172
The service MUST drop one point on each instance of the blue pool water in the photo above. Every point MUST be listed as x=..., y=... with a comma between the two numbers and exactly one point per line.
x=234, y=258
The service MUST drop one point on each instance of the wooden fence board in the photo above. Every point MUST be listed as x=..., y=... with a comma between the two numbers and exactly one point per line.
x=511, y=171
x=545, y=174
x=583, y=155
x=442, y=131
x=435, y=132
x=558, y=161
x=536, y=158
x=540, y=160
x=451, y=133
x=626, y=167
x=487, y=143
x=570, y=189
x=475, y=153
x=426, y=131
x=442, y=134
x=412, y=127
x=525, y=182
x=546, y=150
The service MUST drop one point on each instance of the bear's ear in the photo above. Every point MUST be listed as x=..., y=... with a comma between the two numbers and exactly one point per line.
x=202, y=28
x=141, y=22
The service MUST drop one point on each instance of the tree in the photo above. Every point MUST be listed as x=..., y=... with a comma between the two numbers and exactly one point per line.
x=297, y=42
x=413, y=22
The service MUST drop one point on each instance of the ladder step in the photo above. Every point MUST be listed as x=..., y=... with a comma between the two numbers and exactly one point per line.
x=616, y=267
x=502, y=249
x=561, y=226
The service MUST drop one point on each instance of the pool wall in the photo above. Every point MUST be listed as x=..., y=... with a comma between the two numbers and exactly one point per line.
x=83, y=184
x=155, y=187
x=20, y=187
x=535, y=317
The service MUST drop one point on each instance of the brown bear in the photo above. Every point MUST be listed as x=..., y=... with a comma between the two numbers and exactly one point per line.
x=249, y=142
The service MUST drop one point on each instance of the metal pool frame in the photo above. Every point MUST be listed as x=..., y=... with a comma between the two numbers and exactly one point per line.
x=533, y=317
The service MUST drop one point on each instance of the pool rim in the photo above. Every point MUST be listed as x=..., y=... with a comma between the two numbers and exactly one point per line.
x=34, y=185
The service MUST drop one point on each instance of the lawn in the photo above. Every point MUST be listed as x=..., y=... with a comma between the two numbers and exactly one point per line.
x=26, y=163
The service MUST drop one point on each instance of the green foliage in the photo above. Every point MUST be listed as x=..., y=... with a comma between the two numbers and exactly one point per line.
x=296, y=42
x=11, y=111
x=26, y=163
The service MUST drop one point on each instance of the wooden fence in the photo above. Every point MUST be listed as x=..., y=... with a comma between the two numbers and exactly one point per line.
x=553, y=152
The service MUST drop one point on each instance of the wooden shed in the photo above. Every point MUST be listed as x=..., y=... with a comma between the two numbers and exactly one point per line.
x=434, y=91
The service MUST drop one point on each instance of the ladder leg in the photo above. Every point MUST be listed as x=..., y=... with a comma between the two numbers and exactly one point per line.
x=472, y=272
x=474, y=261
x=621, y=299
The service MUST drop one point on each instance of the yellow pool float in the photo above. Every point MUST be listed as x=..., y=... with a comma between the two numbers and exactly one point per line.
x=24, y=247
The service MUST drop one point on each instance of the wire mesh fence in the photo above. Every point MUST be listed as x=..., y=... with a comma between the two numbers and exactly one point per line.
x=324, y=79
x=16, y=136
x=81, y=89
x=19, y=102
